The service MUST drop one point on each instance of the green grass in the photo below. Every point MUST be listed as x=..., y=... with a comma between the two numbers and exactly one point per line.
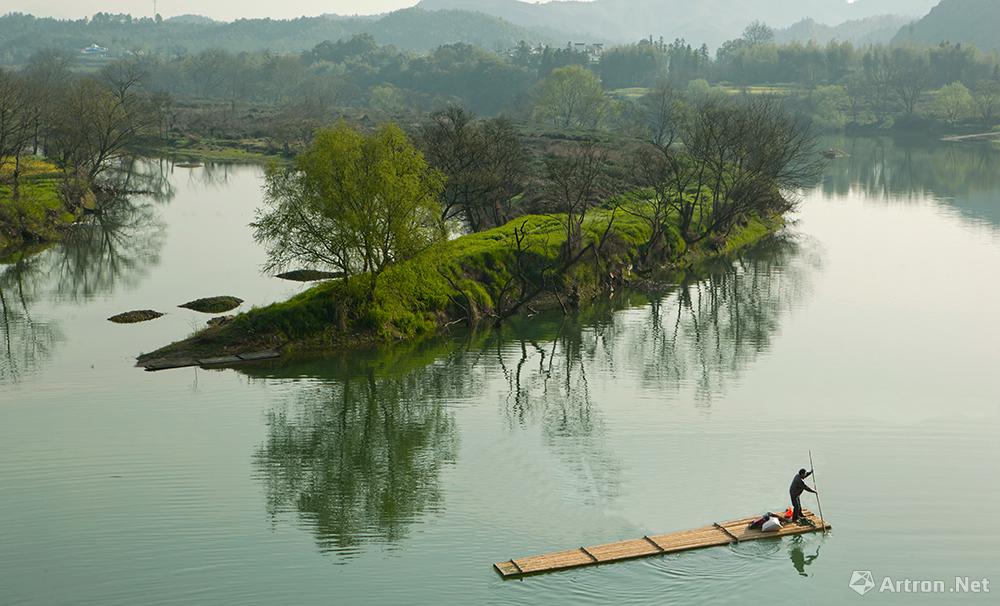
x=775, y=89
x=449, y=282
x=633, y=93
x=39, y=213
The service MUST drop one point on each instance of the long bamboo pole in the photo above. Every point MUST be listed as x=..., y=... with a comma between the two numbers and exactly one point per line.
x=816, y=484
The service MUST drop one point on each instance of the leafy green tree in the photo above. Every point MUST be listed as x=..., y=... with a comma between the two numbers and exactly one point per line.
x=699, y=89
x=987, y=100
x=685, y=62
x=387, y=99
x=353, y=202
x=571, y=97
x=954, y=102
x=478, y=79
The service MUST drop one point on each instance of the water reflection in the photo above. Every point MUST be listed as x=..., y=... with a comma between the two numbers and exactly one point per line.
x=118, y=244
x=706, y=332
x=113, y=248
x=27, y=341
x=357, y=449
x=966, y=176
x=357, y=452
x=134, y=176
x=800, y=560
x=546, y=363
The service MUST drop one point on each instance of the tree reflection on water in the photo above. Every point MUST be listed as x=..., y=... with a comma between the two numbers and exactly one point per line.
x=358, y=451
x=705, y=333
x=963, y=176
x=27, y=341
x=114, y=247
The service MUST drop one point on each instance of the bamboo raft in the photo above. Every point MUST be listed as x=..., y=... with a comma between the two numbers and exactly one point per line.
x=718, y=534
x=218, y=362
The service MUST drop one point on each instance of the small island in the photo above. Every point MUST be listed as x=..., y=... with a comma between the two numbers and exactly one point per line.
x=549, y=230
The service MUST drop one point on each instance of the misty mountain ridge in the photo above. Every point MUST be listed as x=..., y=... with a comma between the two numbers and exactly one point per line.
x=968, y=22
x=500, y=24
x=861, y=32
x=709, y=21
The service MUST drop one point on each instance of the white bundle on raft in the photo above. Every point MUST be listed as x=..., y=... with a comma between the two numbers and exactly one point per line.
x=771, y=525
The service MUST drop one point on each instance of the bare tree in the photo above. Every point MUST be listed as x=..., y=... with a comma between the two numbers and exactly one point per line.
x=758, y=33
x=909, y=77
x=663, y=110
x=448, y=141
x=46, y=74
x=99, y=118
x=577, y=179
x=664, y=176
x=15, y=127
x=751, y=158
x=485, y=162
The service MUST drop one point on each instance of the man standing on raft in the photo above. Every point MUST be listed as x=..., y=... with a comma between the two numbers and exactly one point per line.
x=795, y=491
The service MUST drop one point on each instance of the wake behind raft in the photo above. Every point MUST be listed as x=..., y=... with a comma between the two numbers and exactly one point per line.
x=725, y=533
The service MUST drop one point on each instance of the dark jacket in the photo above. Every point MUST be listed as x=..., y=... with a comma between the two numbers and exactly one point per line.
x=798, y=485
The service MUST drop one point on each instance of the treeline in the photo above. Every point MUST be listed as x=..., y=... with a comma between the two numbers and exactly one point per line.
x=359, y=72
x=875, y=85
x=122, y=35
x=354, y=72
x=837, y=83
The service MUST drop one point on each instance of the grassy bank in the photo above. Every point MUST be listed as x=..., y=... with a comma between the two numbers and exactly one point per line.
x=472, y=279
x=204, y=149
x=39, y=213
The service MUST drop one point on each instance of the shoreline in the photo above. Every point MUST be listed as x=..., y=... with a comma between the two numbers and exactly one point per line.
x=41, y=214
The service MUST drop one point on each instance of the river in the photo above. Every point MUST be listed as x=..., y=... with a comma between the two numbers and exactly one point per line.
x=868, y=333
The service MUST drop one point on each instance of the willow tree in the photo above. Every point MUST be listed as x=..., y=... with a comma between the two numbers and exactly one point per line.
x=353, y=202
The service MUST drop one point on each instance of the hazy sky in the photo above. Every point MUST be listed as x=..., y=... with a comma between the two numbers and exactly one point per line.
x=217, y=9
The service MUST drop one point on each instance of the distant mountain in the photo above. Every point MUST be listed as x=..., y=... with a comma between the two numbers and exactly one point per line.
x=968, y=22
x=410, y=29
x=416, y=29
x=860, y=32
x=709, y=21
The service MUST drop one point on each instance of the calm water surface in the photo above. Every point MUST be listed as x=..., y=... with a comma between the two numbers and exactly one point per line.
x=868, y=333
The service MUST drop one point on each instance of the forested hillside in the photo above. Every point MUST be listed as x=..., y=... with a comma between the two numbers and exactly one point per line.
x=957, y=21
x=412, y=29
